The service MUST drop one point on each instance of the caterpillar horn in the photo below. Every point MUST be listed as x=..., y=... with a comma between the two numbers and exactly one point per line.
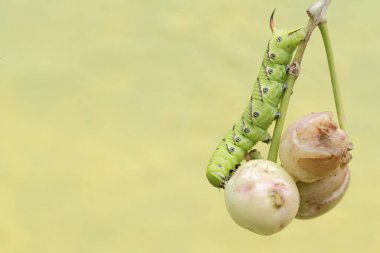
x=271, y=22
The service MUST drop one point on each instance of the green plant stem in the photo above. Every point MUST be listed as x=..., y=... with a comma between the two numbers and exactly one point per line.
x=275, y=145
x=334, y=80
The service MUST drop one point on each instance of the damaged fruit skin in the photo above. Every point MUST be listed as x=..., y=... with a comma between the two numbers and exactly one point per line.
x=314, y=148
x=320, y=197
x=261, y=197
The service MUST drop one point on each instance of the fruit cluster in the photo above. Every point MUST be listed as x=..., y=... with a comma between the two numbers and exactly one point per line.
x=265, y=197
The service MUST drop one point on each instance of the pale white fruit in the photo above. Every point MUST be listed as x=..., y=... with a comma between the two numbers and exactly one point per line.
x=262, y=197
x=314, y=148
x=320, y=197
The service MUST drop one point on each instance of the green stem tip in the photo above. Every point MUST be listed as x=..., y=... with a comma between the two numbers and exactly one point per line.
x=333, y=75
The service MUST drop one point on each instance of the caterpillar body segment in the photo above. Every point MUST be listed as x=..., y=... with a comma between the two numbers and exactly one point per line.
x=271, y=92
x=261, y=115
x=272, y=72
x=262, y=107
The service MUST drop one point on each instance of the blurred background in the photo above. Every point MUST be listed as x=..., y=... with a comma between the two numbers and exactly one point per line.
x=111, y=109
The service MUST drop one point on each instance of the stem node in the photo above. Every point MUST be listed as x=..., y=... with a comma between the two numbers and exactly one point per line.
x=294, y=69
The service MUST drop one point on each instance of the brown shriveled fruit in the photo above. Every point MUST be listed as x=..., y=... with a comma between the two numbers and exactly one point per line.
x=314, y=148
x=321, y=196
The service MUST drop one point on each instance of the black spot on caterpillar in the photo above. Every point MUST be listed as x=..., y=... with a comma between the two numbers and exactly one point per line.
x=262, y=108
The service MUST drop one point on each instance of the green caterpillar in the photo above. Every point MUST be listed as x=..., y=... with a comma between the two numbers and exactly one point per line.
x=262, y=108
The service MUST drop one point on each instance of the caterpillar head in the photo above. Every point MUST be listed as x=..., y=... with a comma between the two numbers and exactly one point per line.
x=286, y=40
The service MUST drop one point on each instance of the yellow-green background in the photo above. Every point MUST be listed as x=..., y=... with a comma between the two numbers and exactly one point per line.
x=110, y=110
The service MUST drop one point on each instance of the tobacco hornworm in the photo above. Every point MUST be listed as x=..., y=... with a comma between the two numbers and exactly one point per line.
x=262, y=108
